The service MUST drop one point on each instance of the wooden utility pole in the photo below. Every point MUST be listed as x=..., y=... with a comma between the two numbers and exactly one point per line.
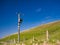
x=18, y=27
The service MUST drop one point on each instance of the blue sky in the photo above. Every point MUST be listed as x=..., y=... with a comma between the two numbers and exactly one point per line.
x=33, y=13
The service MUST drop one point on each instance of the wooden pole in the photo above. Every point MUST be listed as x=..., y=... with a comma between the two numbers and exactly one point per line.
x=19, y=28
x=47, y=35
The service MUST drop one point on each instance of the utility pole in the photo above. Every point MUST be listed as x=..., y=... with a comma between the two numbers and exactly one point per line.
x=18, y=27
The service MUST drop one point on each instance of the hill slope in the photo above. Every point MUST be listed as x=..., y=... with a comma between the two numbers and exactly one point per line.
x=38, y=32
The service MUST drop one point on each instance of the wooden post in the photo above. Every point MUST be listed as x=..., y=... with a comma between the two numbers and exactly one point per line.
x=47, y=35
x=14, y=41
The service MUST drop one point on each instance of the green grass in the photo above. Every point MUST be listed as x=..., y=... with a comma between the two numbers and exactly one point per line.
x=38, y=32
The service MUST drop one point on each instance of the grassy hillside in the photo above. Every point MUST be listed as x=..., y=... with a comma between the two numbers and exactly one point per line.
x=38, y=32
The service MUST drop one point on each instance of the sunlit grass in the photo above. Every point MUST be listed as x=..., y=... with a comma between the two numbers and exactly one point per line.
x=39, y=33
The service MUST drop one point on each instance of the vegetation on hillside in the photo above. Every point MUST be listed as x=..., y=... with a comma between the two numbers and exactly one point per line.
x=38, y=32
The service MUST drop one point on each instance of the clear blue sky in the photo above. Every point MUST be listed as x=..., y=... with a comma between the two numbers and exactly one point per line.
x=34, y=13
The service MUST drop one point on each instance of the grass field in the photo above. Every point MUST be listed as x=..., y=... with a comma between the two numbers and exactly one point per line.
x=38, y=32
